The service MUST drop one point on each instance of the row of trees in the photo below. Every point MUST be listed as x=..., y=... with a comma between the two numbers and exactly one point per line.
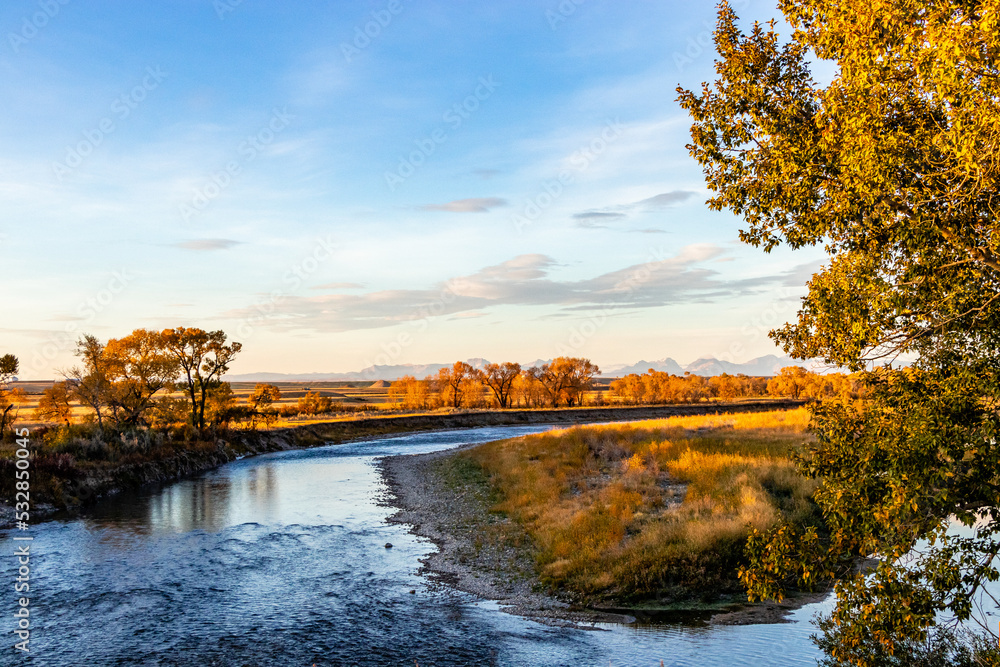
x=563, y=381
x=655, y=387
x=124, y=381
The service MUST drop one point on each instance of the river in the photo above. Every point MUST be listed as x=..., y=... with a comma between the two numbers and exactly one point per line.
x=280, y=560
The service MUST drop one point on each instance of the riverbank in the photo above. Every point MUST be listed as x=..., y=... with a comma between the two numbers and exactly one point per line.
x=450, y=498
x=69, y=481
x=476, y=552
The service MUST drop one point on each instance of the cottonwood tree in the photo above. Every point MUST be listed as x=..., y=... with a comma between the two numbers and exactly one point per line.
x=409, y=392
x=526, y=390
x=452, y=382
x=203, y=358
x=137, y=367
x=263, y=396
x=500, y=380
x=260, y=404
x=54, y=404
x=91, y=386
x=791, y=381
x=894, y=168
x=9, y=366
x=566, y=378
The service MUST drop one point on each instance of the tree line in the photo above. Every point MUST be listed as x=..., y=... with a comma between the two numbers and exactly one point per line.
x=132, y=382
x=657, y=387
x=561, y=382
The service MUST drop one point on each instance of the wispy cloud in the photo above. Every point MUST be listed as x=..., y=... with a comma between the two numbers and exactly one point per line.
x=205, y=245
x=474, y=205
x=593, y=219
x=339, y=286
x=587, y=219
x=664, y=199
x=524, y=280
x=597, y=215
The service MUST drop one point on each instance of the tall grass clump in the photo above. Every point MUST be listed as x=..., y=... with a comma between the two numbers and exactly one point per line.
x=656, y=509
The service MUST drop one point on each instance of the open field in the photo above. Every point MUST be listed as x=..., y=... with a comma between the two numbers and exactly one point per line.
x=346, y=393
x=369, y=399
x=645, y=512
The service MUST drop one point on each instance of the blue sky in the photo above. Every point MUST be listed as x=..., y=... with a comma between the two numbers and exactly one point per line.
x=337, y=184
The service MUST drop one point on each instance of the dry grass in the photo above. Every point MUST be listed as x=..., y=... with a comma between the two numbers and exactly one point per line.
x=654, y=508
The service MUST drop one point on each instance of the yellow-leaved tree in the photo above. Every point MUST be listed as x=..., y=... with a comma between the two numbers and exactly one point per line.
x=893, y=166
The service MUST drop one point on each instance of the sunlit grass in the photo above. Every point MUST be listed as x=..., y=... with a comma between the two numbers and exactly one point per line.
x=661, y=507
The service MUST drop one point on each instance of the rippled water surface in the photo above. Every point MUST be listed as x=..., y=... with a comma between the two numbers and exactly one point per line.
x=280, y=560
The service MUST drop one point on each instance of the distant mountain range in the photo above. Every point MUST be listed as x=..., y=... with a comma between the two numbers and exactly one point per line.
x=707, y=366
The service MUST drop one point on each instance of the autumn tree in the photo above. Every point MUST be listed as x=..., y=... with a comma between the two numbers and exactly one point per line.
x=725, y=386
x=791, y=381
x=137, y=367
x=628, y=389
x=409, y=392
x=54, y=404
x=500, y=380
x=566, y=378
x=263, y=396
x=221, y=400
x=452, y=381
x=260, y=405
x=203, y=358
x=91, y=386
x=526, y=390
x=892, y=166
x=314, y=403
x=9, y=366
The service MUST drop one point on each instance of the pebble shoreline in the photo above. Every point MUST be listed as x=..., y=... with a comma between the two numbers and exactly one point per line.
x=449, y=517
x=490, y=571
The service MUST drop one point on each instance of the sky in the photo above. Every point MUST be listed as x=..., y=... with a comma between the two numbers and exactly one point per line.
x=339, y=184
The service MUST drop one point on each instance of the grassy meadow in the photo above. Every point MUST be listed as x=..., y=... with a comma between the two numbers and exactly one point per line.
x=350, y=399
x=653, y=510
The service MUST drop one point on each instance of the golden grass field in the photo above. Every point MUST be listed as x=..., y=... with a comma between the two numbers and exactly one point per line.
x=654, y=508
x=373, y=394
x=349, y=393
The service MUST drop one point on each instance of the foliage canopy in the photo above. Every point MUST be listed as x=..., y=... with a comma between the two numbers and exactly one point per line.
x=894, y=167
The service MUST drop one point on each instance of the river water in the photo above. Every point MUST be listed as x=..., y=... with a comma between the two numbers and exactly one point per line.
x=280, y=560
